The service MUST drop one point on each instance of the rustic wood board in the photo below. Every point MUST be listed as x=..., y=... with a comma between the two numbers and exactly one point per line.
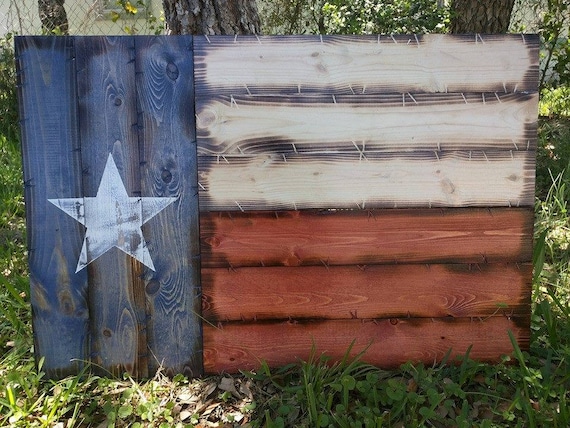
x=230, y=347
x=52, y=168
x=340, y=64
x=343, y=180
x=366, y=237
x=135, y=104
x=107, y=112
x=165, y=86
x=364, y=292
x=366, y=123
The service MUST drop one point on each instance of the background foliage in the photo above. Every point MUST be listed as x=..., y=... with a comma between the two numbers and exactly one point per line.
x=352, y=17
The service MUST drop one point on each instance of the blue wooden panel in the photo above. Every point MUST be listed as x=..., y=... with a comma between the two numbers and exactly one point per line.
x=109, y=145
x=112, y=200
x=168, y=146
x=52, y=169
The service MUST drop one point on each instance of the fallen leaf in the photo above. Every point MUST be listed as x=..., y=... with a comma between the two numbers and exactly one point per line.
x=245, y=389
x=412, y=385
x=209, y=389
x=200, y=407
x=480, y=379
x=227, y=384
x=185, y=414
x=210, y=409
x=186, y=398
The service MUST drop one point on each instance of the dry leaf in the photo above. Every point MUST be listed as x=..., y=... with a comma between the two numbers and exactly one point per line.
x=227, y=384
x=245, y=389
x=185, y=414
x=209, y=389
x=412, y=385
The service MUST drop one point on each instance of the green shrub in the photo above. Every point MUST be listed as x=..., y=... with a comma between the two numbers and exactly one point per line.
x=553, y=153
x=384, y=17
x=9, y=126
x=352, y=17
x=555, y=102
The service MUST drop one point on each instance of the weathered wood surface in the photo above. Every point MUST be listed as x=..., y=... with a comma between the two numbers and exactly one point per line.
x=420, y=179
x=344, y=124
x=107, y=112
x=135, y=150
x=340, y=64
x=165, y=90
x=229, y=347
x=364, y=292
x=52, y=167
x=366, y=237
x=366, y=123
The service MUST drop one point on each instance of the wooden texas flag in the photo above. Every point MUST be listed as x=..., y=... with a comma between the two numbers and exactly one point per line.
x=205, y=203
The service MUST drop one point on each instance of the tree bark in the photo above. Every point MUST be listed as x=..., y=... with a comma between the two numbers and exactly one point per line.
x=53, y=16
x=211, y=17
x=475, y=16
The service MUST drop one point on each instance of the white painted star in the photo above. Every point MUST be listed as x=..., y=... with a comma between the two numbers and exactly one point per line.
x=112, y=218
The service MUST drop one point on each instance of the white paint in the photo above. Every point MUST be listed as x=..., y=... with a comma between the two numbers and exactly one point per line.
x=113, y=218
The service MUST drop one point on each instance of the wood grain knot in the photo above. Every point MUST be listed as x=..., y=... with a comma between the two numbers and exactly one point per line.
x=213, y=242
x=205, y=119
x=206, y=303
x=66, y=303
x=166, y=176
x=292, y=260
x=152, y=287
x=107, y=332
x=447, y=186
x=321, y=68
x=172, y=71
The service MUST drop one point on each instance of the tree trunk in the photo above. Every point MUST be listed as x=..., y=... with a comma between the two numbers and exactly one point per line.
x=53, y=16
x=211, y=16
x=475, y=16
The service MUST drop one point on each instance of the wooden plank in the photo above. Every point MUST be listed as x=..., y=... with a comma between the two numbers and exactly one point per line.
x=366, y=123
x=417, y=179
x=242, y=346
x=295, y=238
x=345, y=64
x=52, y=168
x=364, y=292
x=165, y=89
x=107, y=113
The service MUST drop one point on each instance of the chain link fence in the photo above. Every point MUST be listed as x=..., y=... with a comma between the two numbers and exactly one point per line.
x=526, y=16
x=80, y=17
x=108, y=17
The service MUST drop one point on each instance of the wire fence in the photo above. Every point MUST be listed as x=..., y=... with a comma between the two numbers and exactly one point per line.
x=106, y=17
x=79, y=17
x=526, y=16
